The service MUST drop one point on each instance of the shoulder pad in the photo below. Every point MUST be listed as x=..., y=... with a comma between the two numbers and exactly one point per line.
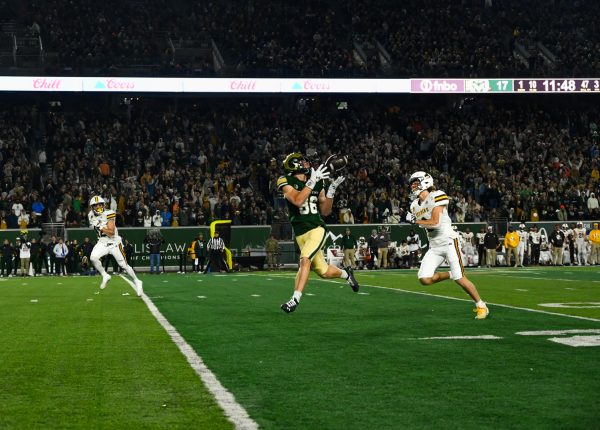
x=281, y=182
x=439, y=197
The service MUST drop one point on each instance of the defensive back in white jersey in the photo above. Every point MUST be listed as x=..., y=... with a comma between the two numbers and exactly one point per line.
x=100, y=221
x=442, y=234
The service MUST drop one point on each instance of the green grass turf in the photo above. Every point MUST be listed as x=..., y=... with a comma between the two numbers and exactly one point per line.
x=356, y=361
x=343, y=360
x=76, y=359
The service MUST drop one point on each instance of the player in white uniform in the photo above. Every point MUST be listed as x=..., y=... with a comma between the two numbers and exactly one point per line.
x=522, y=246
x=581, y=243
x=109, y=242
x=469, y=250
x=429, y=210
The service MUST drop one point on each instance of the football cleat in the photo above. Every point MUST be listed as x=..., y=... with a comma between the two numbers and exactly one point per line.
x=482, y=312
x=138, y=287
x=351, y=279
x=290, y=306
x=105, y=279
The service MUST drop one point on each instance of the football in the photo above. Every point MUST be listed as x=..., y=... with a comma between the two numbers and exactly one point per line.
x=336, y=162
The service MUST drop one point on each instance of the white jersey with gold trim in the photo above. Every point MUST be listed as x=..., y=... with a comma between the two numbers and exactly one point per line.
x=580, y=235
x=523, y=238
x=442, y=234
x=100, y=221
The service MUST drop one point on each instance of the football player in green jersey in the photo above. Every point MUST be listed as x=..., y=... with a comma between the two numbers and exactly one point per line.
x=307, y=200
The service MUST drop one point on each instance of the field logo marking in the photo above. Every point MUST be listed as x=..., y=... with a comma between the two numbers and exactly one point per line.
x=232, y=409
x=577, y=341
x=592, y=337
x=572, y=305
x=559, y=332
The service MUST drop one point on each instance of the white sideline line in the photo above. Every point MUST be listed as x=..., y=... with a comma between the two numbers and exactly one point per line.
x=233, y=410
x=467, y=300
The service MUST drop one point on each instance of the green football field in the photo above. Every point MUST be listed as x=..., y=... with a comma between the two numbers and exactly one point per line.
x=396, y=355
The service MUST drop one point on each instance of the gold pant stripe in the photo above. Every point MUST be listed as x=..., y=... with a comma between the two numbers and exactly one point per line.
x=456, y=247
x=319, y=247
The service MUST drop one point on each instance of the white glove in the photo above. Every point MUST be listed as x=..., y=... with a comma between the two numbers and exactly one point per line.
x=316, y=175
x=411, y=218
x=333, y=186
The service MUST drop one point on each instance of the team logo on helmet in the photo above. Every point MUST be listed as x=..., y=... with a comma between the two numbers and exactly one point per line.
x=97, y=204
x=294, y=163
x=422, y=180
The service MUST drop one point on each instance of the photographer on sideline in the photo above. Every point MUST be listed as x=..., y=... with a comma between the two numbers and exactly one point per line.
x=154, y=240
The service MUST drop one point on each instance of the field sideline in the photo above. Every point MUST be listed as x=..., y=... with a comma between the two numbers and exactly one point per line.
x=396, y=355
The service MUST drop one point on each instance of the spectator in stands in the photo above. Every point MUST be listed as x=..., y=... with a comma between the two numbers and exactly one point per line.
x=12, y=221
x=593, y=207
x=157, y=220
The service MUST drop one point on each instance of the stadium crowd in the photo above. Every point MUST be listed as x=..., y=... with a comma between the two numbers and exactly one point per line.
x=190, y=165
x=437, y=38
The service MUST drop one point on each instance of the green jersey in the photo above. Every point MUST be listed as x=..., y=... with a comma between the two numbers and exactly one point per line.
x=307, y=216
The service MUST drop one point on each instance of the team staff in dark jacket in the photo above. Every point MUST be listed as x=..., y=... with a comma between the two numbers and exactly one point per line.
x=557, y=239
x=36, y=261
x=201, y=252
x=491, y=243
x=154, y=240
x=6, y=258
x=349, y=245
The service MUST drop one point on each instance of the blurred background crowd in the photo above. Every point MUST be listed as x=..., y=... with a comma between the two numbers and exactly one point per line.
x=177, y=161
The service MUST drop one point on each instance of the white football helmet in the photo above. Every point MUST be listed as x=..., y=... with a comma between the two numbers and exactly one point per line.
x=565, y=226
x=579, y=224
x=522, y=226
x=97, y=204
x=424, y=181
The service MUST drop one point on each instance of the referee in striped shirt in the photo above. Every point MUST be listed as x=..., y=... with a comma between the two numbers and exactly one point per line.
x=216, y=248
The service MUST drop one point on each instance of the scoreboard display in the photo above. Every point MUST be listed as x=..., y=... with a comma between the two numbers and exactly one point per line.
x=506, y=86
x=557, y=85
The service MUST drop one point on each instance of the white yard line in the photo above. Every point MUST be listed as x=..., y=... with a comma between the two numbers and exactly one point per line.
x=482, y=337
x=492, y=304
x=233, y=410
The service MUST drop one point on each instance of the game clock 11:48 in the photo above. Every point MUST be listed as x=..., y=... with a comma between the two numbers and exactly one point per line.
x=557, y=85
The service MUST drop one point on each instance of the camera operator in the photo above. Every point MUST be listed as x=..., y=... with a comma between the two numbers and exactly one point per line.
x=154, y=240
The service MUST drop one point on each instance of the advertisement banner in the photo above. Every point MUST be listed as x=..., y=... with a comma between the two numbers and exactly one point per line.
x=328, y=85
x=231, y=85
x=437, y=86
x=40, y=83
x=151, y=85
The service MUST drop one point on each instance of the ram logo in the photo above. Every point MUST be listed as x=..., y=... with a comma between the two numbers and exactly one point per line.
x=477, y=86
